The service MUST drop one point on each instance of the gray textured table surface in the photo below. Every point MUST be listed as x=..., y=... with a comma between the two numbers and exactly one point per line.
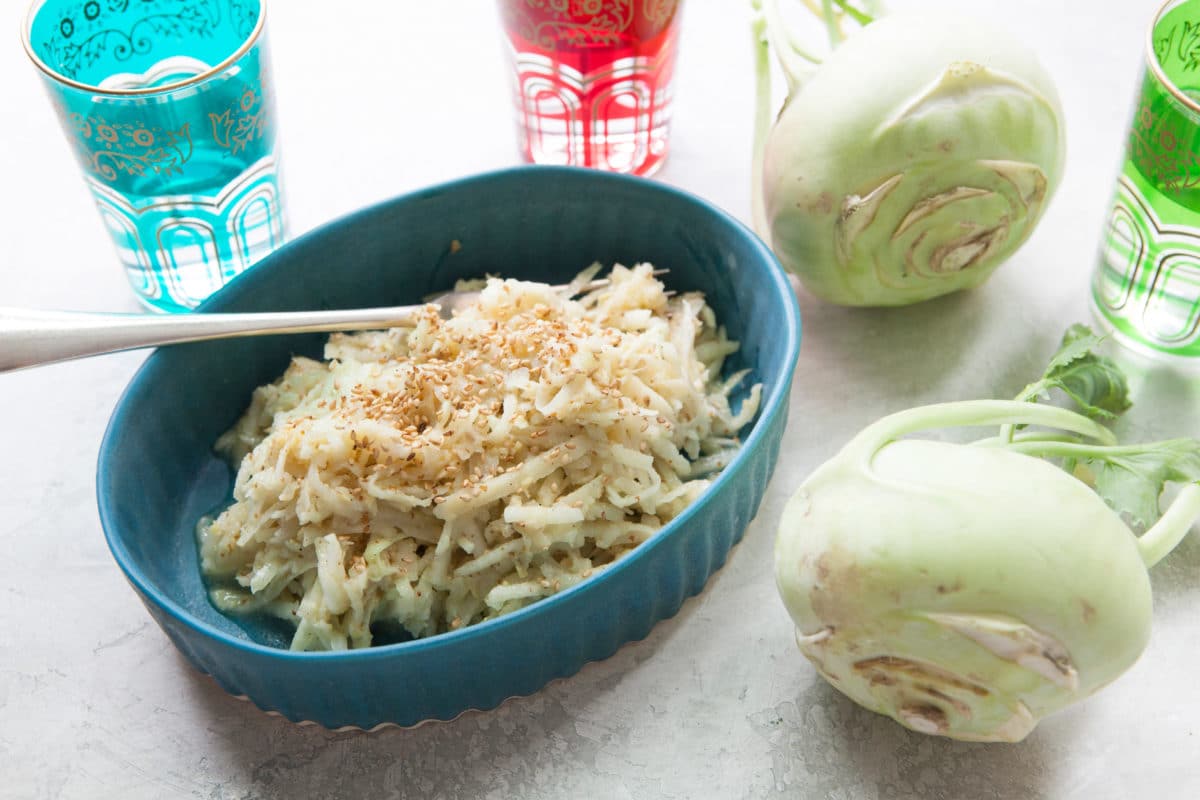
x=95, y=703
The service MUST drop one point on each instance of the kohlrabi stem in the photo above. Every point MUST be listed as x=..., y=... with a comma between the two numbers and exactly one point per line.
x=770, y=32
x=971, y=413
x=1049, y=448
x=788, y=51
x=1171, y=527
x=1001, y=441
x=762, y=126
x=831, y=23
x=1006, y=431
x=861, y=17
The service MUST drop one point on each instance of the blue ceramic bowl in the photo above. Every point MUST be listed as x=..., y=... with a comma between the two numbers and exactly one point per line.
x=158, y=473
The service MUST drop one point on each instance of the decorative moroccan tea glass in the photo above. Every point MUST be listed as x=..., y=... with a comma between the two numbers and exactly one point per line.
x=593, y=80
x=167, y=105
x=1146, y=288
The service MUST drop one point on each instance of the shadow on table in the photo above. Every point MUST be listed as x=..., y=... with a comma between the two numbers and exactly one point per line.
x=509, y=751
x=948, y=348
x=832, y=747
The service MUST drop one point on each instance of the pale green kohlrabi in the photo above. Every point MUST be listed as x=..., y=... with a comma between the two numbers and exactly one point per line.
x=911, y=162
x=968, y=590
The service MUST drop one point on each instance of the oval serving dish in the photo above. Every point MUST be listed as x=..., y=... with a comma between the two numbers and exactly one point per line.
x=158, y=473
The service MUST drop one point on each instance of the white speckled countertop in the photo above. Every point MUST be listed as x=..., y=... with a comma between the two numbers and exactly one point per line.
x=377, y=98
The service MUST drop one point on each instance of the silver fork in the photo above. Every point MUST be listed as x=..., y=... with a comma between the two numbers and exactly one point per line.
x=31, y=338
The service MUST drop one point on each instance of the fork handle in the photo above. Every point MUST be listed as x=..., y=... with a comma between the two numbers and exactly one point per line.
x=30, y=338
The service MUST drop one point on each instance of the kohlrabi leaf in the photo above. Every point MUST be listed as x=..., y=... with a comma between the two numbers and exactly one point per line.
x=1095, y=383
x=1130, y=479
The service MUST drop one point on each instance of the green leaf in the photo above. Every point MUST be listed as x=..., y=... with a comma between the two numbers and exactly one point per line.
x=1078, y=341
x=1130, y=479
x=1094, y=382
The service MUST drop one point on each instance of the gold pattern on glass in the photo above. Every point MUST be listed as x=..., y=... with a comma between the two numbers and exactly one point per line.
x=580, y=23
x=237, y=126
x=111, y=149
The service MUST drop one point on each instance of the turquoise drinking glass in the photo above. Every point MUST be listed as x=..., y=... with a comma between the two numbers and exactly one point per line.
x=167, y=105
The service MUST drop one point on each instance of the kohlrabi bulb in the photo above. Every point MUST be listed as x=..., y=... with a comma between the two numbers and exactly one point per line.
x=913, y=162
x=963, y=590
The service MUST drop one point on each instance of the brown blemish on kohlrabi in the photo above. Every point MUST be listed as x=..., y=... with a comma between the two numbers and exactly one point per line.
x=924, y=717
x=915, y=670
x=838, y=576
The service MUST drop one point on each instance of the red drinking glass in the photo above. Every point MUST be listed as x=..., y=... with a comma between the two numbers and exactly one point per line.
x=593, y=80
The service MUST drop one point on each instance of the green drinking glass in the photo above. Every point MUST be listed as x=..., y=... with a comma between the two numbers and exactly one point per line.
x=1146, y=288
